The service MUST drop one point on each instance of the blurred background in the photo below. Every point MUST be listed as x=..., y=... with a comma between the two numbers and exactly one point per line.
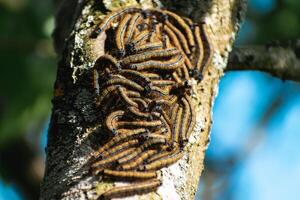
x=254, y=152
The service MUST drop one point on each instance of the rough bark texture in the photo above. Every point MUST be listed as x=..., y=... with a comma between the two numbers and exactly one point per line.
x=73, y=129
x=279, y=60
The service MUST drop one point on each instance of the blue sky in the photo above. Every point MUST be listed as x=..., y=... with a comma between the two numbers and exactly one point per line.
x=271, y=170
x=8, y=192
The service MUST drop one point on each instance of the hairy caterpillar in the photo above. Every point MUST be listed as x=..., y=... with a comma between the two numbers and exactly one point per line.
x=158, y=53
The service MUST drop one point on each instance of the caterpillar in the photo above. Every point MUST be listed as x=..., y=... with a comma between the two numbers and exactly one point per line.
x=135, y=188
x=158, y=53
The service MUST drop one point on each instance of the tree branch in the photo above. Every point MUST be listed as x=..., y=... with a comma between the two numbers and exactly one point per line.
x=73, y=129
x=279, y=60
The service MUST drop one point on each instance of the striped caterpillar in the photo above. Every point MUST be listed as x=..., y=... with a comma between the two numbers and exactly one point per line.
x=145, y=72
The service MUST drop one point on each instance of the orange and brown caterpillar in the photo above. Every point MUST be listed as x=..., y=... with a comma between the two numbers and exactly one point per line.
x=158, y=54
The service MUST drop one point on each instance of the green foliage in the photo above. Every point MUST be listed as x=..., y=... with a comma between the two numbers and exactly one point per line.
x=281, y=23
x=27, y=67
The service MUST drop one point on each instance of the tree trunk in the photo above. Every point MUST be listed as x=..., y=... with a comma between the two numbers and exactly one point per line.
x=73, y=129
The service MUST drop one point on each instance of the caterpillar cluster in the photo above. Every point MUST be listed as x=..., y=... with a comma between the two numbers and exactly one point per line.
x=143, y=89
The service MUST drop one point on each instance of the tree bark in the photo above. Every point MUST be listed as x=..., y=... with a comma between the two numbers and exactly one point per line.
x=281, y=60
x=73, y=129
